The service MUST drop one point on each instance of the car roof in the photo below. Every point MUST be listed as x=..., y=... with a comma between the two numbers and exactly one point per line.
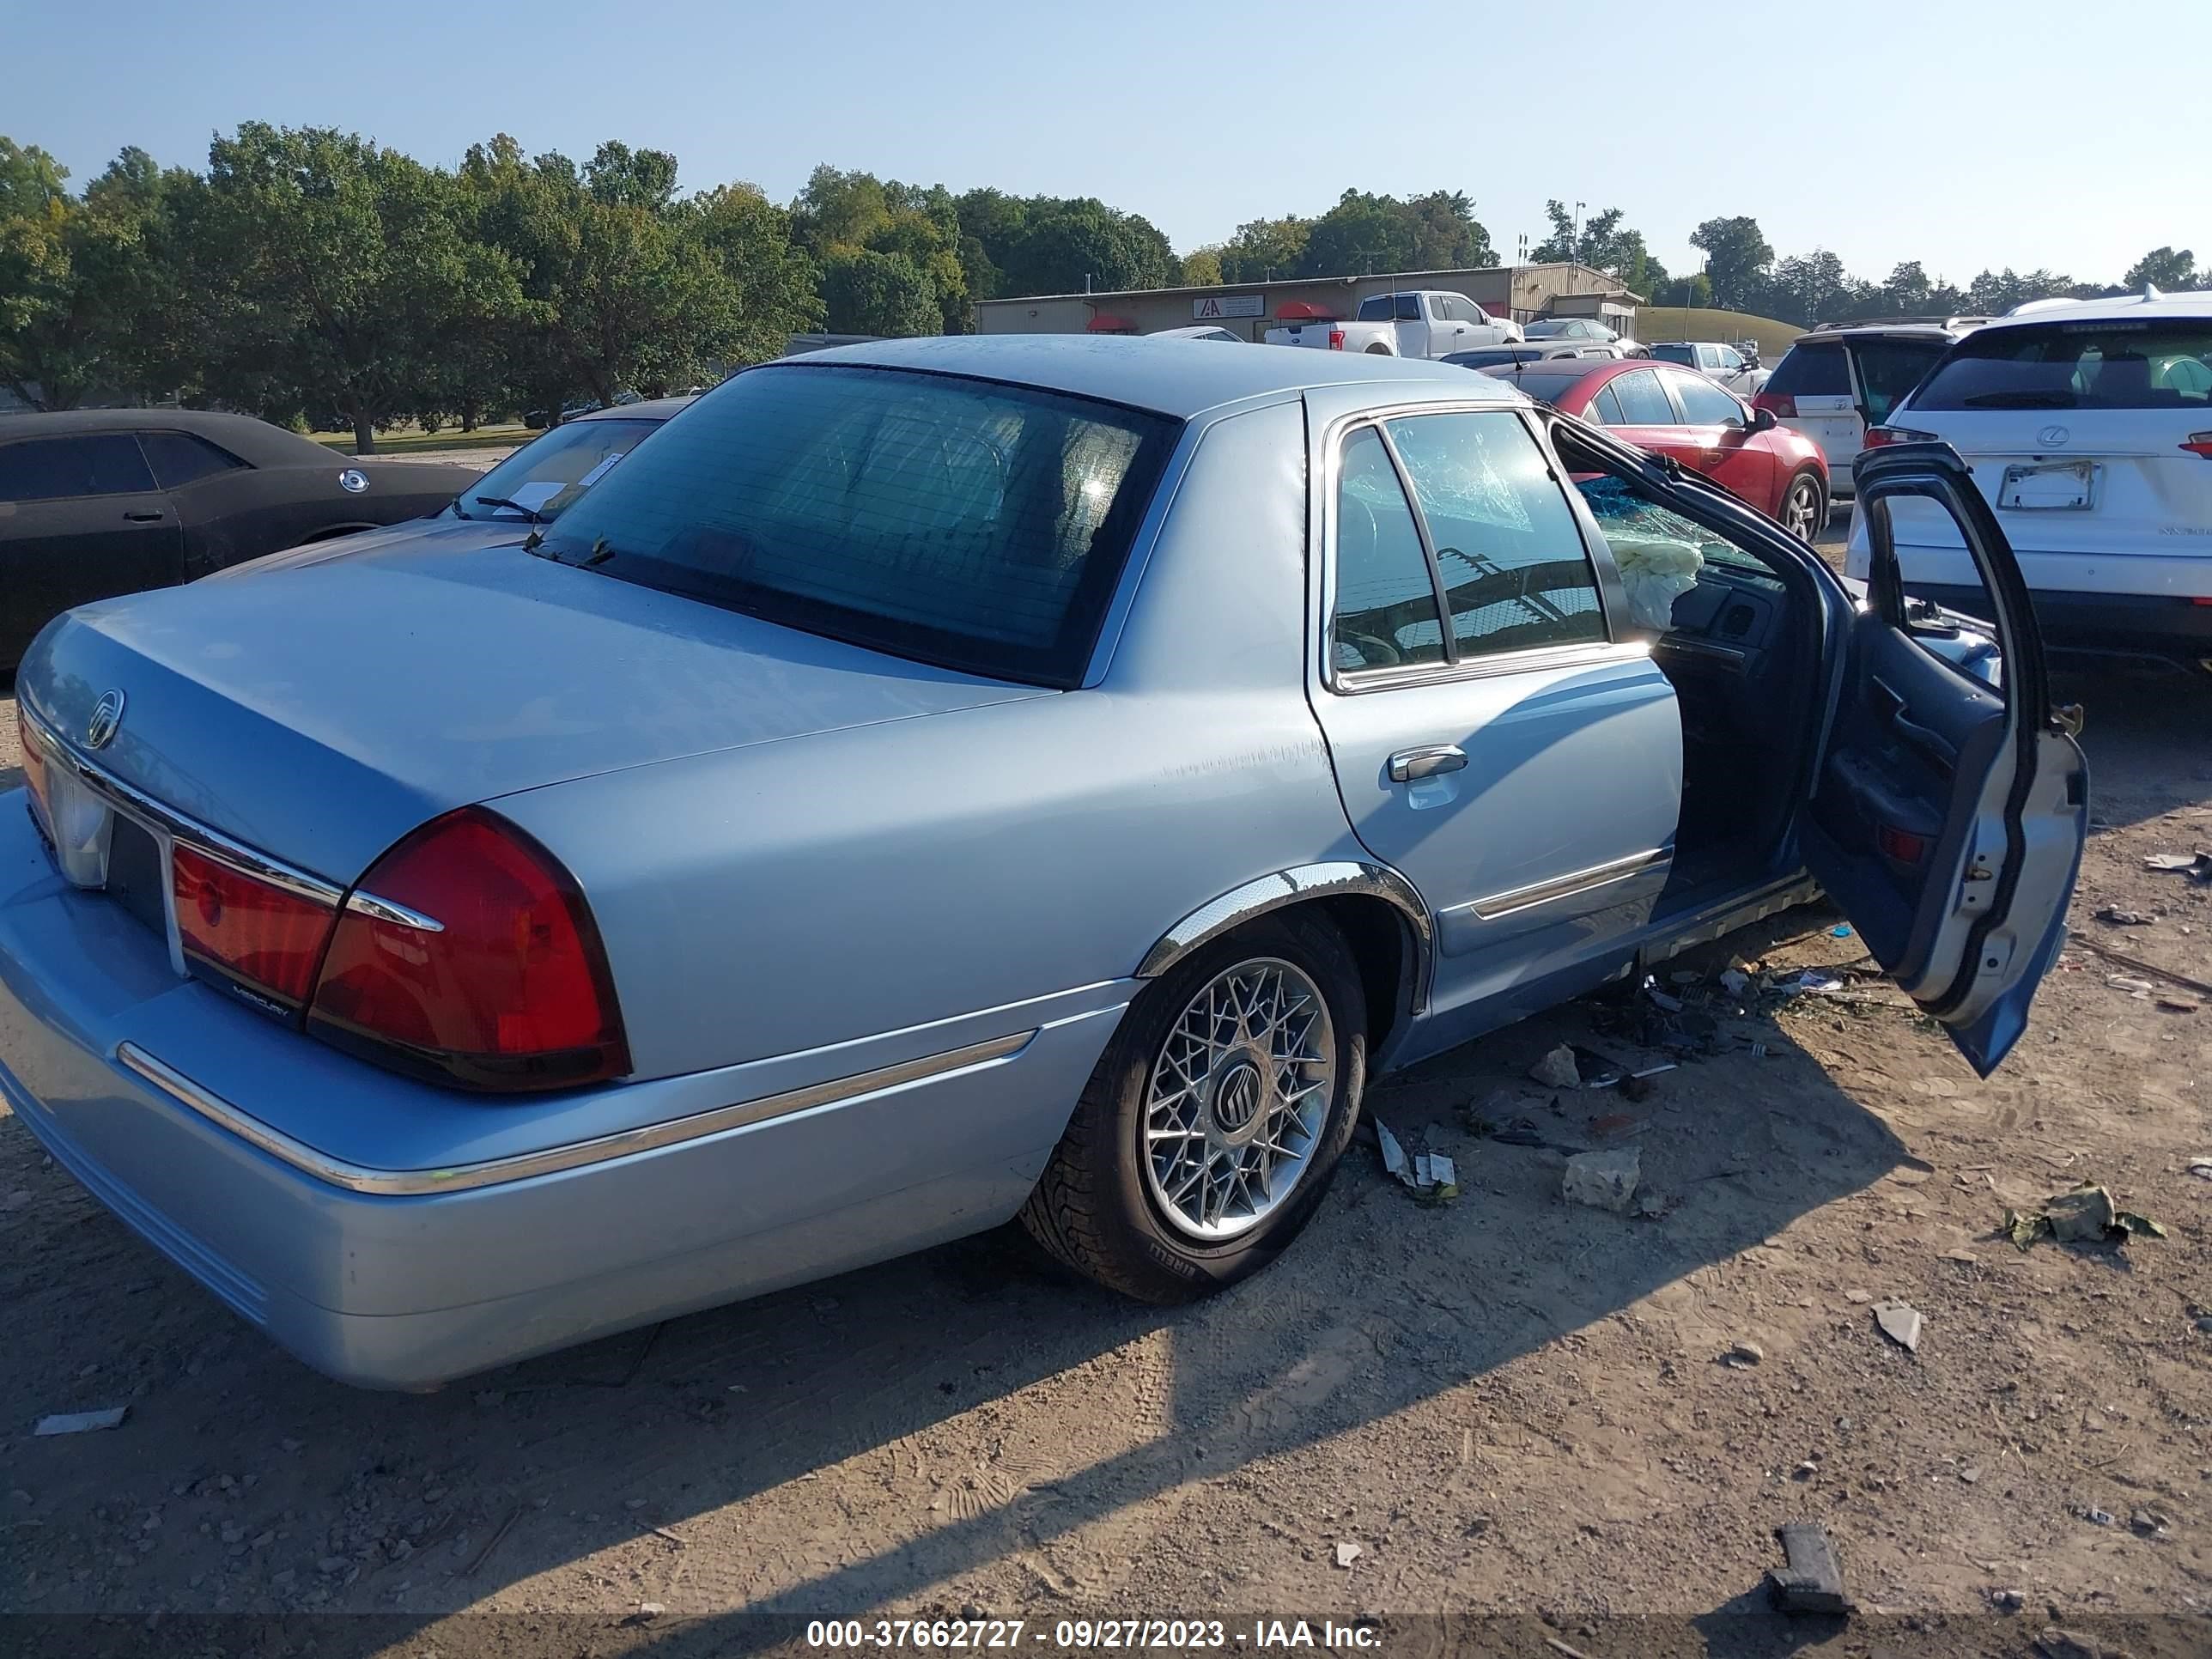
x=1179, y=378
x=1938, y=333
x=646, y=409
x=255, y=442
x=2130, y=306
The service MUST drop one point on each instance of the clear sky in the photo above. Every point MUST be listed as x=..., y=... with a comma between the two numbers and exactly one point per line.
x=1963, y=133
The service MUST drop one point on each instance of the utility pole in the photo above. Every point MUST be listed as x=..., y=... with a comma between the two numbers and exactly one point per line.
x=1577, y=248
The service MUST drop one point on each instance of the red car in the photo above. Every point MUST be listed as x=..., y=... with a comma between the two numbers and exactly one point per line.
x=1678, y=412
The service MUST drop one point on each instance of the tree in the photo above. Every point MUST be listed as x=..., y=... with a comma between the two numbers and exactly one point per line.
x=1201, y=268
x=1364, y=234
x=1069, y=245
x=349, y=267
x=870, y=293
x=774, y=283
x=1994, y=293
x=2170, y=269
x=1813, y=287
x=1265, y=249
x=621, y=177
x=1739, y=261
x=80, y=278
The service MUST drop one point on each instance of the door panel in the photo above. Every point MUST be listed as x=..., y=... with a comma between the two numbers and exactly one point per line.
x=1520, y=768
x=80, y=520
x=1949, y=816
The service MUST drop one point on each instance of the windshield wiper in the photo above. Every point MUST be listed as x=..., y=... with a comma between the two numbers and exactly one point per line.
x=531, y=512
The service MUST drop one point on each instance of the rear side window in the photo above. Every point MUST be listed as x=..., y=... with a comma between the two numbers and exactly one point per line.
x=1377, y=310
x=1812, y=372
x=179, y=457
x=1515, y=574
x=978, y=525
x=1409, y=308
x=1890, y=369
x=2150, y=364
x=1385, y=611
x=48, y=469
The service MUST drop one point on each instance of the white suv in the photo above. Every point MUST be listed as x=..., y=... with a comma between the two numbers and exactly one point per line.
x=2088, y=428
x=1842, y=378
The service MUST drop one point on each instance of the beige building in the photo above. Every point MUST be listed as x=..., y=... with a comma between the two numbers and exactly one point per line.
x=1524, y=292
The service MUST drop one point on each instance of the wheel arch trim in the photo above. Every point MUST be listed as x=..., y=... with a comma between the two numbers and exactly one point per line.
x=1302, y=884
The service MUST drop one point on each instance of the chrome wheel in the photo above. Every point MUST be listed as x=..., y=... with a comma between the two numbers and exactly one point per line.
x=1238, y=1094
x=1801, y=509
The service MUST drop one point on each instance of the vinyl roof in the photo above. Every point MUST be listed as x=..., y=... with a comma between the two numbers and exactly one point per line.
x=1177, y=377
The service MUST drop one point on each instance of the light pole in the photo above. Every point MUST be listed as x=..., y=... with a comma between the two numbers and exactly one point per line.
x=1577, y=239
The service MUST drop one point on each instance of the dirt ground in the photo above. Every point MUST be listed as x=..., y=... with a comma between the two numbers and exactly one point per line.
x=1510, y=1405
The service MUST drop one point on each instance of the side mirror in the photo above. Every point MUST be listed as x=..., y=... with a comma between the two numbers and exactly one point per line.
x=1762, y=420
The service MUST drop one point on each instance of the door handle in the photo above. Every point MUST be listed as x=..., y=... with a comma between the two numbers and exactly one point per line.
x=1408, y=764
x=143, y=518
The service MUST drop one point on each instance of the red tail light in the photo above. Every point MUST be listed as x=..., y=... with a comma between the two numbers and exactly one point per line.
x=2197, y=443
x=1783, y=405
x=468, y=955
x=1336, y=339
x=1900, y=845
x=1881, y=437
x=263, y=938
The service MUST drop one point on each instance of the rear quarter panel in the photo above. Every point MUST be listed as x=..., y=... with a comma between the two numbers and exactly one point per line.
x=821, y=890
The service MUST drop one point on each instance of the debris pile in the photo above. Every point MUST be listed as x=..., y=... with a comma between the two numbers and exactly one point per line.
x=2085, y=1215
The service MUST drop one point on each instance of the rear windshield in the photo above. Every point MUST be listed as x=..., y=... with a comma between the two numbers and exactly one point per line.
x=961, y=522
x=1890, y=369
x=1490, y=356
x=1683, y=354
x=1547, y=388
x=1812, y=372
x=2106, y=364
x=547, y=476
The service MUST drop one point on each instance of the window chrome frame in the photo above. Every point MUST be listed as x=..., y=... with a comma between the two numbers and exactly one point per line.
x=1605, y=579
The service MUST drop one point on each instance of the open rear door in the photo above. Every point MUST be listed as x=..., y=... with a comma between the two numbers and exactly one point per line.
x=1950, y=810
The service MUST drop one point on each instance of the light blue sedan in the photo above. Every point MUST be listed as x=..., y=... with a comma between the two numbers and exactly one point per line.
x=940, y=780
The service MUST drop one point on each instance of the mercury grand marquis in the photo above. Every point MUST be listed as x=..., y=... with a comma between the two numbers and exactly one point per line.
x=938, y=781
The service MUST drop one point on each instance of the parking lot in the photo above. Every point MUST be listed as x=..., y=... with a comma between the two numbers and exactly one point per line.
x=1505, y=1403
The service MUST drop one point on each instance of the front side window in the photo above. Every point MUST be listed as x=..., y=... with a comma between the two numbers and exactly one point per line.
x=1386, y=613
x=1642, y=399
x=1658, y=551
x=1515, y=574
x=1729, y=361
x=49, y=469
x=181, y=458
x=978, y=525
x=547, y=476
x=2106, y=364
x=1704, y=403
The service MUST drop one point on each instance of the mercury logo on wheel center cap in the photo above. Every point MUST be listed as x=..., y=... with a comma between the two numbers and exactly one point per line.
x=1236, y=1097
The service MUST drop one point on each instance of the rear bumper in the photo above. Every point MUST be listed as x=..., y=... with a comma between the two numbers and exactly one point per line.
x=407, y=1290
x=2102, y=624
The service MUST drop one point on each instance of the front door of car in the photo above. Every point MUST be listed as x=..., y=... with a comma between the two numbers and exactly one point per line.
x=1491, y=742
x=80, y=520
x=1715, y=438
x=1949, y=814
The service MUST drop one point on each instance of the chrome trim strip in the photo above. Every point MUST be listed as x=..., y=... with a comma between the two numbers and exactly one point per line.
x=600, y=1149
x=385, y=909
x=1596, y=653
x=1495, y=905
x=224, y=849
x=1347, y=878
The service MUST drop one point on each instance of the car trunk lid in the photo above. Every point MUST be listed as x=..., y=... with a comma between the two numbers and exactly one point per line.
x=318, y=714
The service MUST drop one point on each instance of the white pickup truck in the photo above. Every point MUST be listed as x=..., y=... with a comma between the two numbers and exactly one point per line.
x=1427, y=323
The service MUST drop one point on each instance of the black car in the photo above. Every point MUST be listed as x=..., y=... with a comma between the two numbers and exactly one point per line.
x=95, y=502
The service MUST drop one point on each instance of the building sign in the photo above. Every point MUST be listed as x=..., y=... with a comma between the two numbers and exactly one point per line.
x=1218, y=306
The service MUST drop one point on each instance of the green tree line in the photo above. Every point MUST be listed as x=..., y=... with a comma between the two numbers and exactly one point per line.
x=311, y=276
